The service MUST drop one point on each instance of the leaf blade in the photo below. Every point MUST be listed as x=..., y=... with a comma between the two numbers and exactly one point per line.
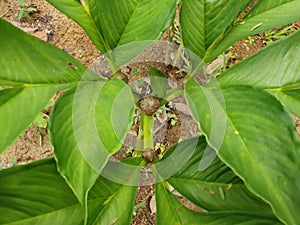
x=36, y=194
x=92, y=131
x=204, y=21
x=246, y=159
x=46, y=64
x=171, y=211
x=158, y=81
x=261, y=18
x=216, y=188
x=276, y=69
x=115, y=23
x=27, y=192
x=18, y=113
x=29, y=80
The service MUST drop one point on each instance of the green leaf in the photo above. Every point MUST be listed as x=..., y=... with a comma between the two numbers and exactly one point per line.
x=290, y=99
x=171, y=211
x=79, y=175
x=80, y=14
x=121, y=178
x=121, y=171
x=18, y=108
x=275, y=68
x=29, y=61
x=31, y=71
x=210, y=27
x=216, y=188
x=259, y=142
x=37, y=194
x=102, y=114
x=87, y=125
x=117, y=22
x=266, y=15
x=158, y=81
x=203, y=22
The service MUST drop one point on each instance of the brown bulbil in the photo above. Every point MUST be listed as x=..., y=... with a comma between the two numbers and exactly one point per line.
x=149, y=155
x=149, y=104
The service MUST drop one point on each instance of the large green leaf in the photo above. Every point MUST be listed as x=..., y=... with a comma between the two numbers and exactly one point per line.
x=265, y=16
x=204, y=21
x=216, y=188
x=210, y=27
x=171, y=211
x=37, y=194
x=87, y=125
x=102, y=114
x=260, y=142
x=27, y=60
x=117, y=205
x=79, y=175
x=275, y=68
x=32, y=71
x=18, y=108
x=117, y=22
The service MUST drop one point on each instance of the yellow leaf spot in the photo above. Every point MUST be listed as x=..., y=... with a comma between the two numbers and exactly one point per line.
x=236, y=132
x=229, y=186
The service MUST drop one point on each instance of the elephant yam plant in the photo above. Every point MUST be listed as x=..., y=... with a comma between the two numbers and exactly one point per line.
x=241, y=168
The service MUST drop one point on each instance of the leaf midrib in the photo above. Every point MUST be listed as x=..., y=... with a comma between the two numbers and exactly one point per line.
x=267, y=178
x=129, y=19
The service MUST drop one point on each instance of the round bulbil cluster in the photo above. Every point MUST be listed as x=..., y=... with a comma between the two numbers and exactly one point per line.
x=149, y=155
x=149, y=104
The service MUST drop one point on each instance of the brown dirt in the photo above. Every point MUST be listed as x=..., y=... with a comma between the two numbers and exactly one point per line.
x=244, y=48
x=67, y=35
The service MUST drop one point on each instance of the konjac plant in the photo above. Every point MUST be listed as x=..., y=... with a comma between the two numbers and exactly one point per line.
x=243, y=168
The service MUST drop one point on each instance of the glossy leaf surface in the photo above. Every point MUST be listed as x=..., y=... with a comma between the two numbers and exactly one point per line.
x=88, y=124
x=117, y=22
x=203, y=22
x=259, y=126
x=31, y=71
x=264, y=16
x=275, y=69
x=171, y=211
x=216, y=188
x=37, y=194
x=210, y=27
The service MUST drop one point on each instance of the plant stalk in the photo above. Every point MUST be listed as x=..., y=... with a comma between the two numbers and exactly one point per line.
x=148, y=134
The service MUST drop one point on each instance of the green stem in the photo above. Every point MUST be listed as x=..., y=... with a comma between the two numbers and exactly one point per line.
x=145, y=136
x=148, y=134
x=139, y=142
